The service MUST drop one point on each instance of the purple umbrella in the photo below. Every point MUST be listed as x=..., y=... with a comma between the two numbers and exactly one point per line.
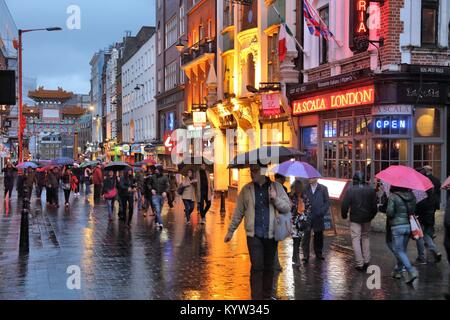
x=297, y=169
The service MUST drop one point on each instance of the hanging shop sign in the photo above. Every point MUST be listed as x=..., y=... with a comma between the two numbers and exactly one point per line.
x=136, y=148
x=394, y=109
x=359, y=30
x=149, y=148
x=169, y=142
x=336, y=100
x=199, y=119
x=271, y=104
x=126, y=148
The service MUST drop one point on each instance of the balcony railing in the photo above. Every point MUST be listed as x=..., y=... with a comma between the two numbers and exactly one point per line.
x=198, y=50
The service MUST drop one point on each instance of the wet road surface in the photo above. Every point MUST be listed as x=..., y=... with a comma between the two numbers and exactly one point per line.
x=180, y=262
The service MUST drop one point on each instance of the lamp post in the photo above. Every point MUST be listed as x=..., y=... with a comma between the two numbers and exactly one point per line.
x=19, y=48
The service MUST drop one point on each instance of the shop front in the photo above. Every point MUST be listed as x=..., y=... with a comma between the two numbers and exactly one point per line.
x=374, y=122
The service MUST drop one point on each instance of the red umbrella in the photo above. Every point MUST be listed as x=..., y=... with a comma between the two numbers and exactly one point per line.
x=405, y=177
x=446, y=184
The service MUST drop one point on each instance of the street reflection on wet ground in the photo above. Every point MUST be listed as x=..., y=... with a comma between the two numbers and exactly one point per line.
x=180, y=262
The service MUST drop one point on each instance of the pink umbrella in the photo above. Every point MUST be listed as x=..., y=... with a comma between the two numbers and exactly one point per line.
x=405, y=177
x=446, y=184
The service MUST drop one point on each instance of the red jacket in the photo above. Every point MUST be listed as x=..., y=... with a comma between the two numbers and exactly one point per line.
x=97, y=177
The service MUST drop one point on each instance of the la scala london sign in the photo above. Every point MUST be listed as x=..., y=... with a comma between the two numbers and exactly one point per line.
x=336, y=100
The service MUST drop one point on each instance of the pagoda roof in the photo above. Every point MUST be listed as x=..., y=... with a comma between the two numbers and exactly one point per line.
x=73, y=110
x=44, y=94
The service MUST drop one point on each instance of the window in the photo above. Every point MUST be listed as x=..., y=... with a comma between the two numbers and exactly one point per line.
x=323, y=43
x=182, y=20
x=159, y=42
x=181, y=74
x=430, y=9
x=273, y=61
x=171, y=32
x=210, y=29
x=427, y=123
x=170, y=76
x=228, y=13
x=159, y=4
x=160, y=89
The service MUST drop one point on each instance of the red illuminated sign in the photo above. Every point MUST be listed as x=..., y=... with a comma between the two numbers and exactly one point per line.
x=336, y=100
x=169, y=142
x=359, y=31
x=271, y=104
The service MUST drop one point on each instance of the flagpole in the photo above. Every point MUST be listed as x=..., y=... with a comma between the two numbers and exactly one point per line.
x=296, y=41
x=318, y=16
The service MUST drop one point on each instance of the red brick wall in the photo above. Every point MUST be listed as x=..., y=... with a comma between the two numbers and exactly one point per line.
x=391, y=27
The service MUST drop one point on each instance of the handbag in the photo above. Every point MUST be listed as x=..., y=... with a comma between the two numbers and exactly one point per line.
x=282, y=226
x=416, y=229
x=111, y=194
x=180, y=190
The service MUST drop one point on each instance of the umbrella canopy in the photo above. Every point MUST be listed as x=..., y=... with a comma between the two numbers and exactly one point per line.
x=63, y=162
x=297, y=169
x=42, y=163
x=117, y=166
x=405, y=177
x=88, y=164
x=265, y=156
x=446, y=184
x=26, y=165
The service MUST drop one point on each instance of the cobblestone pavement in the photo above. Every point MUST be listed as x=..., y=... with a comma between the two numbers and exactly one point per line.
x=180, y=262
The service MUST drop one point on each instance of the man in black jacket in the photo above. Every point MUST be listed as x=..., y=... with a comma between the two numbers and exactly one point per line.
x=317, y=195
x=361, y=200
x=447, y=231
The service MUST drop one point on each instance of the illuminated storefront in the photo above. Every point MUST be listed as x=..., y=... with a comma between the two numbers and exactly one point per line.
x=371, y=123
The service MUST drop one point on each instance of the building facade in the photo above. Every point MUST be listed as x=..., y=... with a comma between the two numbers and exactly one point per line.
x=138, y=91
x=97, y=64
x=366, y=105
x=171, y=27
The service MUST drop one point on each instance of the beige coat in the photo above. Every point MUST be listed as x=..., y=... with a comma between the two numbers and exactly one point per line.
x=189, y=191
x=210, y=187
x=245, y=209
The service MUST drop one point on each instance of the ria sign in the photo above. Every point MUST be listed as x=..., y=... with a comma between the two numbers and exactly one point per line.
x=336, y=100
x=359, y=30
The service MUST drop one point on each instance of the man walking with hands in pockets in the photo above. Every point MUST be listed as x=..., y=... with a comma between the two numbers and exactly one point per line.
x=258, y=203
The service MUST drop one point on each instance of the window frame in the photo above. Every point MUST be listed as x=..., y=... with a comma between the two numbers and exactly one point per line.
x=430, y=4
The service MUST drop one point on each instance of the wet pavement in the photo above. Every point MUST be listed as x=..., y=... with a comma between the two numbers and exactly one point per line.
x=180, y=262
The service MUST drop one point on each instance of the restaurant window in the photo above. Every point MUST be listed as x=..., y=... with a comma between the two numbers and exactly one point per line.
x=427, y=123
x=323, y=43
x=276, y=133
x=345, y=128
x=309, y=144
x=390, y=152
x=330, y=129
x=428, y=155
x=430, y=9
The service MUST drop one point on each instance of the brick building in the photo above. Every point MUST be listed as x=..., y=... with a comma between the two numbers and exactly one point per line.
x=365, y=105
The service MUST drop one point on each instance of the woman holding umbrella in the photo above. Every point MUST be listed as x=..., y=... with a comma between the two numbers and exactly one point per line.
x=127, y=187
x=66, y=181
x=187, y=192
x=109, y=192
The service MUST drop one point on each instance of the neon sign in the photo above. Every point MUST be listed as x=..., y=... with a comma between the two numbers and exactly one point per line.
x=338, y=100
x=359, y=31
x=392, y=123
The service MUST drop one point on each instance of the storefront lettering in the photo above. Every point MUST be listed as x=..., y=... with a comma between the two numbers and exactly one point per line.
x=344, y=99
x=394, y=124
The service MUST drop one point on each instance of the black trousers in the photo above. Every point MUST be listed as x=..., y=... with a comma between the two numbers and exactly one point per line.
x=447, y=241
x=97, y=192
x=296, y=251
x=318, y=243
x=204, y=205
x=262, y=256
x=171, y=198
x=9, y=189
x=127, y=203
x=66, y=196
x=39, y=189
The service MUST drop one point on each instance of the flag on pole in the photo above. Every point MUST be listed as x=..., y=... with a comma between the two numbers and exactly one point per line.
x=286, y=42
x=316, y=26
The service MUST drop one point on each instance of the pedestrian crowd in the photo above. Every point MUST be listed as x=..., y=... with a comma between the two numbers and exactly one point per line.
x=270, y=213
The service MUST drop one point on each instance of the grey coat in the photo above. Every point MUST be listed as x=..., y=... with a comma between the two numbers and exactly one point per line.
x=320, y=205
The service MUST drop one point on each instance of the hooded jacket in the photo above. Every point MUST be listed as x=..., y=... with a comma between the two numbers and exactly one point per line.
x=400, y=205
x=361, y=200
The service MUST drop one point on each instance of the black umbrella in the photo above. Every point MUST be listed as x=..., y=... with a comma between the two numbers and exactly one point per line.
x=117, y=166
x=265, y=156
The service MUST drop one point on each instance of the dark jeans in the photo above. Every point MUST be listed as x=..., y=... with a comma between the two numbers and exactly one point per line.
x=447, y=241
x=318, y=243
x=127, y=200
x=9, y=189
x=39, y=189
x=66, y=196
x=171, y=198
x=296, y=252
x=52, y=196
x=204, y=205
x=188, y=208
x=262, y=255
x=97, y=191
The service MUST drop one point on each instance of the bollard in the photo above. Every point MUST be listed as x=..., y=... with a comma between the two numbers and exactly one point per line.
x=24, y=243
x=222, y=203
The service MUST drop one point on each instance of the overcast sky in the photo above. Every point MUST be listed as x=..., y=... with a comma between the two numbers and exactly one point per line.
x=62, y=58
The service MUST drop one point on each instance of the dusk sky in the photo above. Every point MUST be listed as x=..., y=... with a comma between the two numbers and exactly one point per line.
x=62, y=58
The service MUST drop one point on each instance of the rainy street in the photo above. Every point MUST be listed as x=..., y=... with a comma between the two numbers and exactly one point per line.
x=181, y=262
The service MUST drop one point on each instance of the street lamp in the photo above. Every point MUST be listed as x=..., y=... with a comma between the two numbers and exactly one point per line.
x=18, y=47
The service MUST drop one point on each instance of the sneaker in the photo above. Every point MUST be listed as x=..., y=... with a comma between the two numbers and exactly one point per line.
x=411, y=276
x=437, y=257
x=203, y=221
x=420, y=261
x=161, y=226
